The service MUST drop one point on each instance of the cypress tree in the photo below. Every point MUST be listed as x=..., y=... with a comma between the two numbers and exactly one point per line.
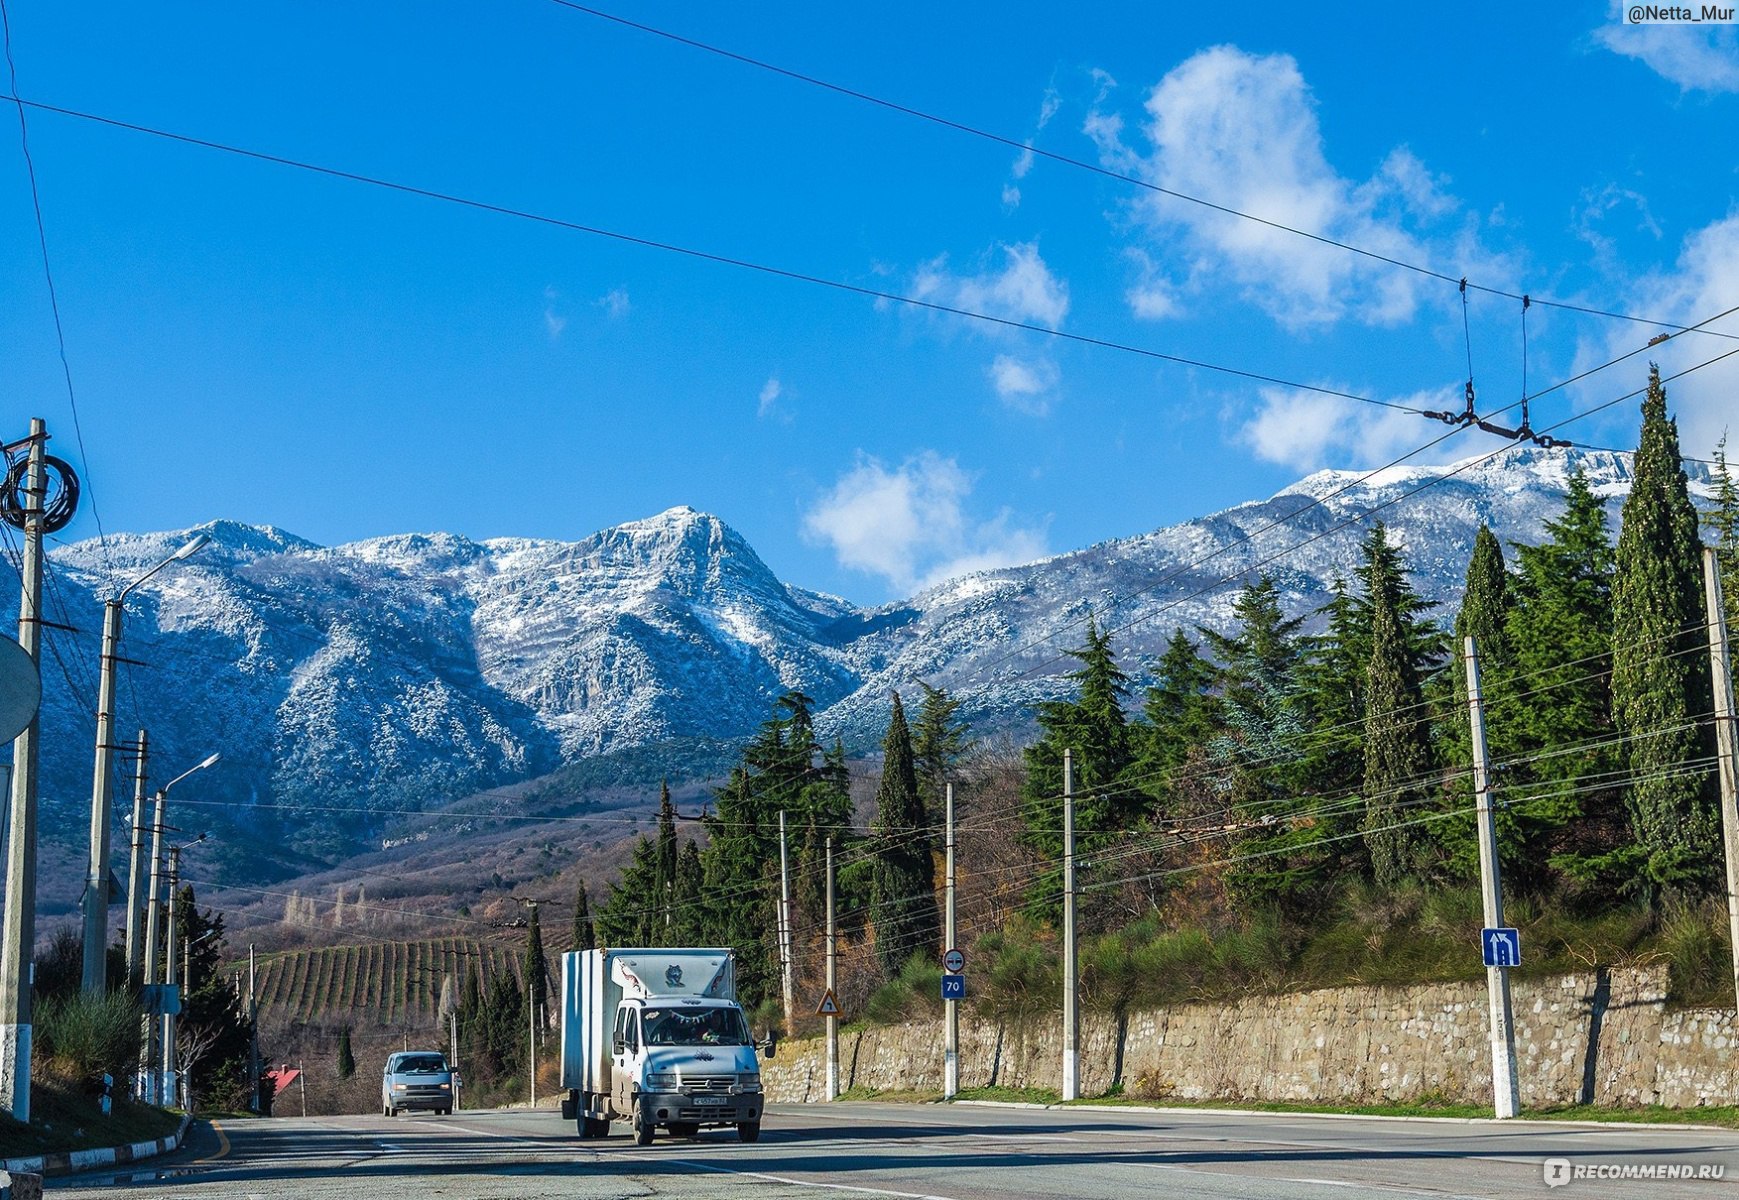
x=1484, y=616
x=536, y=967
x=667, y=851
x=583, y=937
x=346, y=1059
x=1397, y=753
x=1660, y=679
x=903, y=902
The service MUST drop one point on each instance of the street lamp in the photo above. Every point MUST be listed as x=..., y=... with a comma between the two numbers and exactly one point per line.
x=96, y=897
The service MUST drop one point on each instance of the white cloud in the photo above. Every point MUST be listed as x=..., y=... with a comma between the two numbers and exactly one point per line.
x=1023, y=384
x=1023, y=162
x=552, y=323
x=614, y=303
x=1241, y=130
x=909, y=524
x=770, y=392
x=1697, y=57
x=1309, y=430
x=1023, y=290
x=1703, y=282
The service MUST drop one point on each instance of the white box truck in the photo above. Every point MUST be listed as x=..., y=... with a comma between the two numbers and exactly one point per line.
x=656, y=1038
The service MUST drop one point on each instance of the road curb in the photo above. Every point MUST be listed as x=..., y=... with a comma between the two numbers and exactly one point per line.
x=1676, y=1126
x=75, y=1161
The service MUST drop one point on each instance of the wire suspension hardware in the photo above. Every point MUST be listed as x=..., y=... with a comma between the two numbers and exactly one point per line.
x=1467, y=416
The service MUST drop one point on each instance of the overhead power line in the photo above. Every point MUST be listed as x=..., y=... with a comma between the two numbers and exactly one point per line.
x=1026, y=146
x=648, y=243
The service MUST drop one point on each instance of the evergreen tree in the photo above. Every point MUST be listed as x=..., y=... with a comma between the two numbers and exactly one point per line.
x=903, y=906
x=1397, y=753
x=1094, y=727
x=666, y=860
x=536, y=967
x=584, y=938
x=632, y=914
x=688, y=926
x=1553, y=691
x=346, y=1059
x=211, y=1008
x=1660, y=677
x=1332, y=679
x=1484, y=616
x=1721, y=519
x=735, y=864
x=1180, y=714
x=939, y=741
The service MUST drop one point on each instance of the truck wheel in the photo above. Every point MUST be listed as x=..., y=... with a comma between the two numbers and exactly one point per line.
x=391, y=1111
x=597, y=1127
x=643, y=1127
x=684, y=1129
x=749, y=1131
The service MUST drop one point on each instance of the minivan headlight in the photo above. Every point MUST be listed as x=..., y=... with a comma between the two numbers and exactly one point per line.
x=749, y=1081
x=661, y=1080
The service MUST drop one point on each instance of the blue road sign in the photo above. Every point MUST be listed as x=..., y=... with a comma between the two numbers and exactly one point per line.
x=1502, y=947
x=953, y=987
x=161, y=999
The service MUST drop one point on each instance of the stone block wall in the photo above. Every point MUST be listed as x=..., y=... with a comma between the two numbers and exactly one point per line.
x=1603, y=1036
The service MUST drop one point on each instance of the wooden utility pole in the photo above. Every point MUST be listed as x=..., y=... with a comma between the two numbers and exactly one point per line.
x=18, y=933
x=1071, y=965
x=951, y=1044
x=1506, y=1096
x=1726, y=744
x=832, y=981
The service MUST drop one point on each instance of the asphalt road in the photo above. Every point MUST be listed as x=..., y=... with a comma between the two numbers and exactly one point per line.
x=957, y=1152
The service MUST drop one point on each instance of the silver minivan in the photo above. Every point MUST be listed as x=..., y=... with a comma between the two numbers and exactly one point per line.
x=417, y=1079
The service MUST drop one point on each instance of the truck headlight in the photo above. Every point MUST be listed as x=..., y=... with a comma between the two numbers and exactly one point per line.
x=398, y=1087
x=661, y=1080
x=749, y=1081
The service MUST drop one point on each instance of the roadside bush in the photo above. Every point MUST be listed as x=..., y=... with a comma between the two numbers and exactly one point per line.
x=1694, y=941
x=914, y=993
x=81, y=1036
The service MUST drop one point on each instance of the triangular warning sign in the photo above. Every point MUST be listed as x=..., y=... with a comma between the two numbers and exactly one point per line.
x=829, y=1006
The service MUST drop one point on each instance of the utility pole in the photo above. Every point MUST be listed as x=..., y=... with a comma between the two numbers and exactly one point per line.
x=785, y=930
x=17, y=966
x=96, y=896
x=832, y=981
x=253, y=1036
x=951, y=1044
x=136, y=859
x=1071, y=966
x=1726, y=743
x=1506, y=1096
x=169, y=1074
x=453, y=1060
x=153, y=940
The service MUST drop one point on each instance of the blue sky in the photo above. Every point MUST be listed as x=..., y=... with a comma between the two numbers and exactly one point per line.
x=253, y=342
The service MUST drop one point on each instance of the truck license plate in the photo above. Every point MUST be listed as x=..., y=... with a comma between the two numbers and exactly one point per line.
x=711, y=1099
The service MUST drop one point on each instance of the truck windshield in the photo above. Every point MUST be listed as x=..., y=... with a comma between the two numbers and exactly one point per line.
x=710, y=1026
x=421, y=1064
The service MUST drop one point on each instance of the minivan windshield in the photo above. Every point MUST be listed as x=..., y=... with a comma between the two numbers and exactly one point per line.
x=710, y=1026
x=421, y=1064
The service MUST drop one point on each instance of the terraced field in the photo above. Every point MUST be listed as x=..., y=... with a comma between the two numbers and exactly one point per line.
x=391, y=984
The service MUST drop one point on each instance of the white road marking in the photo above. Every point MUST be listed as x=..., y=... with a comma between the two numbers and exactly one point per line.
x=833, y=1187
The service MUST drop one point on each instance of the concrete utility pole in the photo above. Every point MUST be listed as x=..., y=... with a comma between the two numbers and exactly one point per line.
x=167, y=1075
x=253, y=1036
x=136, y=859
x=1506, y=1094
x=951, y=1043
x=1726, y=743
x=153, y=940
x=1071, y=965
x=95, y=904
x=832, y=980
x=785, y=931
x=17, y=966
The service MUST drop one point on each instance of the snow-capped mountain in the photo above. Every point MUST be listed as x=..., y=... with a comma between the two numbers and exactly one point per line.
x=404, y=671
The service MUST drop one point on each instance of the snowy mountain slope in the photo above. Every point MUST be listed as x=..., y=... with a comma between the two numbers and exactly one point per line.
x=405, y=671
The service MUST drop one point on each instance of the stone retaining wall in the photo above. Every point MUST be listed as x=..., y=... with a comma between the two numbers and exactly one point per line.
x=1604, y=1037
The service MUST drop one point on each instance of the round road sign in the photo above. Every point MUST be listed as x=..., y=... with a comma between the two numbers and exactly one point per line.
x=20, y=689
x=954, y=962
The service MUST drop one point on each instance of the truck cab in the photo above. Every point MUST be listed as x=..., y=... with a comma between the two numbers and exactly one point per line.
x=656, y=1038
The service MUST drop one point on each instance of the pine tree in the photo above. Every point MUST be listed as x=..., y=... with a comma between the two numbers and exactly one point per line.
x=1660, y=679
x=939, y=741
x=1397, y=753
x=1180, y=714
x=1094, y=727
x=903, y=906
x=584, y=939
x=346, y=1059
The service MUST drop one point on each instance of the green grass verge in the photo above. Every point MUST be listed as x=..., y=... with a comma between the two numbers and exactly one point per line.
x=1010, y=1095
x=62, y=1120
